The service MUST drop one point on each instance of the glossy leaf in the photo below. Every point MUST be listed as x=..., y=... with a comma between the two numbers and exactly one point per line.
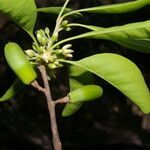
x=22, y=12
x=13, y=90
x=121, y=73
x=118, y=8
x=135, y=42
x=134, y=35
x=77, y=78
x=56, y=10
x=138, y=44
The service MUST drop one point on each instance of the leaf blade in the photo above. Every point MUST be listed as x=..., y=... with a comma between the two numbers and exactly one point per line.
x=133, y=35
x=13, y=90
x=77, y=78
x=21, y=12
x=121, y=73
x=118, y=8
x=56, y=10
x=139, y=42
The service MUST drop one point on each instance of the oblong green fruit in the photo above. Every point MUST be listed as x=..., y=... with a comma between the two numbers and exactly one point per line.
x=85, y=93
x=19, y=63
x=71, y=108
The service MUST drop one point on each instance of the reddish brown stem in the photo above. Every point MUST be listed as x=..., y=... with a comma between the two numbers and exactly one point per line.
x=64, y=100
x=37, y=86
x=51, y=108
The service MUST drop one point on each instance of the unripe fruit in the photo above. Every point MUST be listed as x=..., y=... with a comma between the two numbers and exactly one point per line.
x=19, y=63
x=70, y=109
x=85, y=93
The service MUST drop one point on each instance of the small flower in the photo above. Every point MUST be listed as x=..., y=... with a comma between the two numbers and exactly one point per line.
x=55, y=37
x=67, y=46
x=47, y=32
x=42, y=37
x=56, y=62
x=46, y=56
x=67, y=51
x=30, y=53
x=68, y=29
x=69, y=55
x=64, y=23
x=52, y=66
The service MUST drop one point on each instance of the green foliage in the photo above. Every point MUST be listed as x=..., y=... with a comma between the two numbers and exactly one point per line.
x=53, y=10
x=78, y=77
x=56, y=10
x=133, y=35
x=118, y=8
x=13, y=90
x=22, y=12
x=115, y=69
x=121, y=73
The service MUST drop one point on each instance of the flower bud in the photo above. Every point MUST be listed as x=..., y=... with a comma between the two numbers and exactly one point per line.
x=52, y=66
x=30, y=53
x=67, y=46
x=69, y=55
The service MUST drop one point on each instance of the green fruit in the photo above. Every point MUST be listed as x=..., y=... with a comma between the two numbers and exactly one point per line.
x=71, y=108
x=85, y=93
x=19, y=63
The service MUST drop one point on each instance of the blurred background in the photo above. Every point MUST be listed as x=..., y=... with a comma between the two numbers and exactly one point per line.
x=106, y=123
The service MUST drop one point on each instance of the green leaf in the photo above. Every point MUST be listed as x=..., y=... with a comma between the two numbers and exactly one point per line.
x=134, y=35
x=137, y=43
x=77, y=78
x=13, y=90
x=121, y=73
x=118, y=8
x=56, y=10
x=22, y=12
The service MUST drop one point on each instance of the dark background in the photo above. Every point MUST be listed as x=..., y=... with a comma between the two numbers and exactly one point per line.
x=109, y=122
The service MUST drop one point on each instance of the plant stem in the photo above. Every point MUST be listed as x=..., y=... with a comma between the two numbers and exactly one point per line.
x=51, y=108
x=63, y=100
x=58, y=23
x=82, y=25
x=62, y=10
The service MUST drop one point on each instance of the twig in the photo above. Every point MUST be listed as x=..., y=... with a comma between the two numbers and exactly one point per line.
x=37, y=86
x=62, y=100
x=51, y=108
